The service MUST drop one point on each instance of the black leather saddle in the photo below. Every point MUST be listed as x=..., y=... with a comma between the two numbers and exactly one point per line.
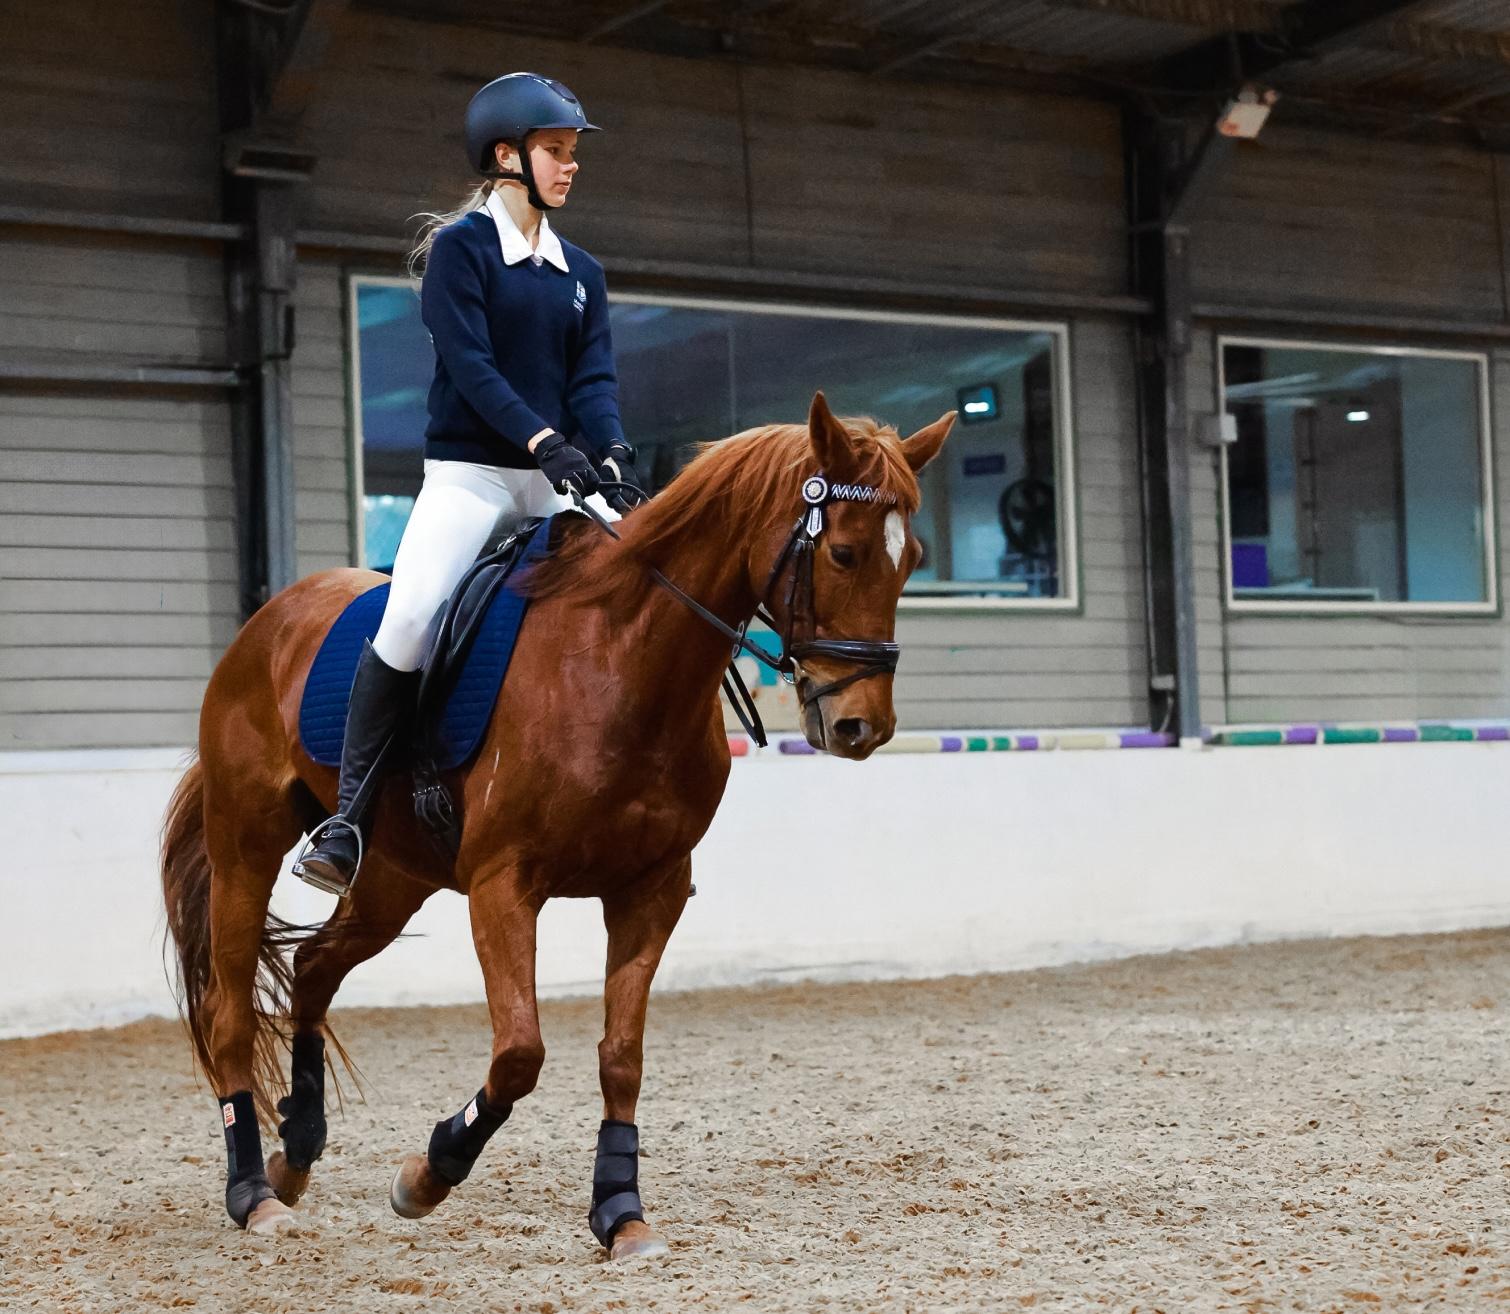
x=460, y=620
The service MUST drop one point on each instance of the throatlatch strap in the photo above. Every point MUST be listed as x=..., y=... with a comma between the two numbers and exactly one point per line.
x=303, y=1108
x=615, y=1181
x=458, y=1140
x=246, y=1184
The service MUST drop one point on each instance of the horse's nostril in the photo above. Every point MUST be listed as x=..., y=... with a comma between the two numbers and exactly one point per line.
x=853, y=729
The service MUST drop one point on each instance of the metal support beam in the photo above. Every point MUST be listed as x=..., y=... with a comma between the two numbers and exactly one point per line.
x=259, y=294
x=1157, y=165
x=306, y=52
x=1304, y=28
x=960, y=19
x=624, y=19
x=287, y=58
x=260, y=277
x=1193, y=180
x=116, y=373
x=85, y=221
x=276, y=267
x=914, y=53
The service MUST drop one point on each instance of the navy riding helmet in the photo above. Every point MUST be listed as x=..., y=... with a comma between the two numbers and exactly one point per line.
x=508, y=109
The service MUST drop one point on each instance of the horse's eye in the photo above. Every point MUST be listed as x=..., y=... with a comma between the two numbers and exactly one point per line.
x=842, y=553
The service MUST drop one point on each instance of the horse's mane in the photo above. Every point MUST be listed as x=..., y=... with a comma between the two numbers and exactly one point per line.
x=730, y=491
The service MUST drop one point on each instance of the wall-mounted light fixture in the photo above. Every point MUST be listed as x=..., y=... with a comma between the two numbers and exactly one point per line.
x=1245, y=115
x=978, y=404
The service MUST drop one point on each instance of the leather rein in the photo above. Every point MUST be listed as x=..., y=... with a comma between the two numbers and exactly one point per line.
x=870, y=656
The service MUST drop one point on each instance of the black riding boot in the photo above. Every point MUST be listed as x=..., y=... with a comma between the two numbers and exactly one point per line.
x=380, y=699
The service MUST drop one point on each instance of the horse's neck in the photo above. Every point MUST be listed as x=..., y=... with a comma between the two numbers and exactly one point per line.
x=679, y=657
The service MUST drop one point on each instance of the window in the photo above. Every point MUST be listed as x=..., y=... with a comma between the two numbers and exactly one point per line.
x=997, y=509
x=1358, y=480
x=997, y=517
x=392, y=363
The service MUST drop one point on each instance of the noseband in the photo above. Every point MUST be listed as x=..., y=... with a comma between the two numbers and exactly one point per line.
x=870, y=656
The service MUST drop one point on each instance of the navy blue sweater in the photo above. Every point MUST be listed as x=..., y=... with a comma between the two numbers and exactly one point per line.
x=518, y=348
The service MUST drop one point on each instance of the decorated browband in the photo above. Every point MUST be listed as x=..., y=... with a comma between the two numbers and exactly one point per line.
x=817, y=492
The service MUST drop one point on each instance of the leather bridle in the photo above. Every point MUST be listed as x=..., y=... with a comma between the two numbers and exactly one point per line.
x=870, y=656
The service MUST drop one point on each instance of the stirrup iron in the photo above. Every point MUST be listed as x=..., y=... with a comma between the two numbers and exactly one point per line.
x=341, y=891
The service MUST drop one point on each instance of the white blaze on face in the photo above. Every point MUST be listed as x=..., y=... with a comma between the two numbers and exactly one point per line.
x=896, y=538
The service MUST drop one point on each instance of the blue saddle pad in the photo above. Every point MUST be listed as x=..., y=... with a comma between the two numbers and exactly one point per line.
x=322, y=713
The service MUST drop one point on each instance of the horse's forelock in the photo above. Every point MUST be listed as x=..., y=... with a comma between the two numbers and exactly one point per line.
x=771, y=462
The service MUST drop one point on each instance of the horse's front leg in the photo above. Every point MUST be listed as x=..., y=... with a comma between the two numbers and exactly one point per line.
x=639, y=921
x=504, y=915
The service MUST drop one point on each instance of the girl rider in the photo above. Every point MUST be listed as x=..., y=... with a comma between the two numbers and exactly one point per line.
x=519, y=319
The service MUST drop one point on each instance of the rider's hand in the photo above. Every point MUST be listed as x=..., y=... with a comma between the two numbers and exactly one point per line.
x=617, y=466
x=565, y=466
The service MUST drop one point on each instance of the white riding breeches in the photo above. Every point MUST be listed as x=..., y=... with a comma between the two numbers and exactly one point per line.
x=459, y=507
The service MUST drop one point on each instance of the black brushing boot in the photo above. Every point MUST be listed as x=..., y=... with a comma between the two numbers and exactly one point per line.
x=381, y=698
x=615, y=1181
x=303, y=1108
x=246, y=1184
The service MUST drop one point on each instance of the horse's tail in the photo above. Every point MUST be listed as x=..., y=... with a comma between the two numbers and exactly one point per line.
x=187, y=878
x=186, y=895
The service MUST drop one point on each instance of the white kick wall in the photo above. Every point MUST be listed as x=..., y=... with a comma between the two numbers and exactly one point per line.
x=901, y=866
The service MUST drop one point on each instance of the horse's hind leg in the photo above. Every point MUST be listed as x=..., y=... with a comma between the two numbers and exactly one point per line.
x=245, y=840
x=504, y=916
x=639, y=921
x=380, y=906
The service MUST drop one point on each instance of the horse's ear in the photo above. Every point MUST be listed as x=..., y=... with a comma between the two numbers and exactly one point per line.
x=924, y=445
x=830, y=440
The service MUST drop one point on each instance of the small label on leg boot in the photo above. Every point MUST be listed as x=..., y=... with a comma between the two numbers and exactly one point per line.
x=470, y=1116
x=229, y=1110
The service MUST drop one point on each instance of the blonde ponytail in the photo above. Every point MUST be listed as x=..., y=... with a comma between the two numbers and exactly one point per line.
x=434, y=222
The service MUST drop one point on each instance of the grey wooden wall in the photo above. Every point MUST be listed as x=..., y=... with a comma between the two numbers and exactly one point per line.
x=117, y=569
x=843, y=174
x=109, y=107
x=117, y=542
x=1279, y=668
x=322, y=468
x=1368, y=229
x=962, y=669
x=841, y=181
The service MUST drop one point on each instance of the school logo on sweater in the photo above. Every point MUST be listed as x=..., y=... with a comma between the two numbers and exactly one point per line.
x=580, y=299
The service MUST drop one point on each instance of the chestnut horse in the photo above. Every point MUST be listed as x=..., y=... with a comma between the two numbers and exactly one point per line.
x=602, y=767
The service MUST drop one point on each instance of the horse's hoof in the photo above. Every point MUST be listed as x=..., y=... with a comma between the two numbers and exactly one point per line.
x=271, y=1217
x=636, y=1240
x=289, y=1183
x=416, y=1190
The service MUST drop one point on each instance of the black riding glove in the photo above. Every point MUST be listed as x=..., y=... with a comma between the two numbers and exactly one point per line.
x=617, y=466
x=565, y=466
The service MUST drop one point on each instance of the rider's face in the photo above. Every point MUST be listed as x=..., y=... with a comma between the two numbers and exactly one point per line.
x=553, y=154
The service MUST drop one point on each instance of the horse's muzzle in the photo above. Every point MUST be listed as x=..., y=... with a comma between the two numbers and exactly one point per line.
x=841, y=732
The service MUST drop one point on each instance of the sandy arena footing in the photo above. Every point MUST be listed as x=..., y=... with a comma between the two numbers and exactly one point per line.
x=1311, y=1126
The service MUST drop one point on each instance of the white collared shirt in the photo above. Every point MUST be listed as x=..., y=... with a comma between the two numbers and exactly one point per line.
x=516, y=246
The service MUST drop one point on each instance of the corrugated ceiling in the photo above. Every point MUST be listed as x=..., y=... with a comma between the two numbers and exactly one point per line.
x=1442, y=60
